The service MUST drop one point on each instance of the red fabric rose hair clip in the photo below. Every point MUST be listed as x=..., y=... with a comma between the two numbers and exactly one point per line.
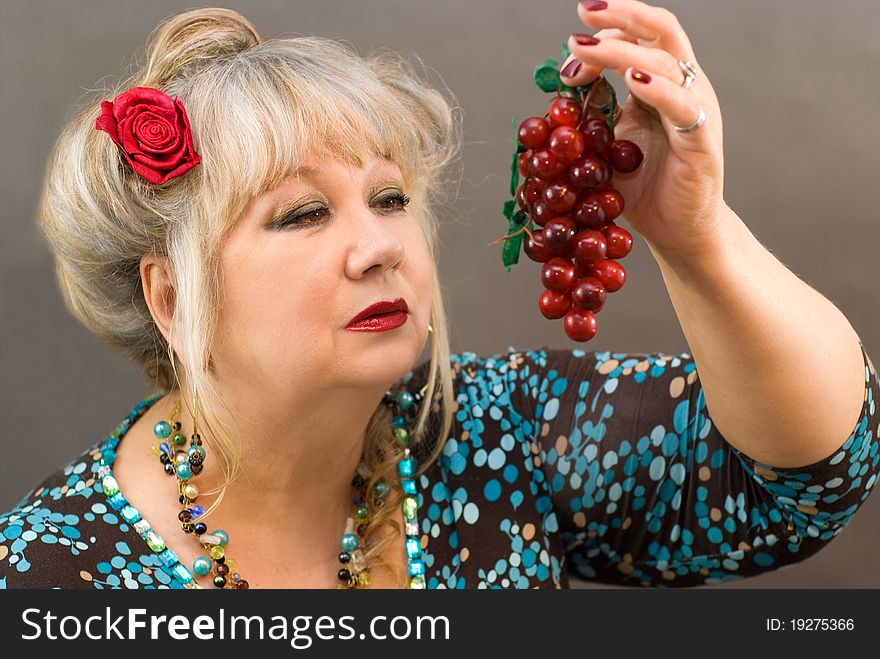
x=152, y=132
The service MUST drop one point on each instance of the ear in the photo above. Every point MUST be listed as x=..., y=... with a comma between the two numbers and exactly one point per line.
x=157, y=280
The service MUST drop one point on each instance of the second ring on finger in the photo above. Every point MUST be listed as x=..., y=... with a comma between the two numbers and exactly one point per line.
x=619, y=55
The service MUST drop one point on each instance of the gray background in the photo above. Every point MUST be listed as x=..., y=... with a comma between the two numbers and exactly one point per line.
x=798, y=88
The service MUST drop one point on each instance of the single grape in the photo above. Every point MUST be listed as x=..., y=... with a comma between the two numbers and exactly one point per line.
x=541, y=213
x=611, y=273
x=597, y=136
x=524, y=158
x=564, y=112
x=553, y=304
x=560, y=197
x=588, y=293
x=580, y=324
x=589, y=172
x=535, y=248
x=590, y=246
x=612, y=202
x=626, y=156
x=534, y=190
x=547, y=166
x=620, y=241
x=589, y=213
x=558, y=274
x=521, y=197
x=533, y=132
x=566, y=143
x=558, y=234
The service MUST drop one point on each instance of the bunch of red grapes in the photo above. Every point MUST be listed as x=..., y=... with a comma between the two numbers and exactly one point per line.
x=568, y=164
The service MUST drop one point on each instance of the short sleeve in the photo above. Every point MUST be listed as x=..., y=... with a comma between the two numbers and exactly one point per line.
x=647, y=492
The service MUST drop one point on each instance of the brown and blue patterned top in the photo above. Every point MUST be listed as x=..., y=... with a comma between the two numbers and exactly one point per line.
x=562, y=463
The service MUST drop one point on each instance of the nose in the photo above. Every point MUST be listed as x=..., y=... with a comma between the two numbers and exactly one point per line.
x=374, y=247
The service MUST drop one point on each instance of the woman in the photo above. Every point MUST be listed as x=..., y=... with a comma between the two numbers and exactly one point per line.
x=230, y=218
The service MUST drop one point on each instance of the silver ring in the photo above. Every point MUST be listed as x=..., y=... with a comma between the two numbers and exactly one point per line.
x=690, y=72
x=699, y=122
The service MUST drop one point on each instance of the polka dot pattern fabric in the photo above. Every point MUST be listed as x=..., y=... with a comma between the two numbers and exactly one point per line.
x=561, y=464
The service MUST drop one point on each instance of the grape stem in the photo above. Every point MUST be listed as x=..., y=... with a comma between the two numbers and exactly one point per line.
x=508, y=236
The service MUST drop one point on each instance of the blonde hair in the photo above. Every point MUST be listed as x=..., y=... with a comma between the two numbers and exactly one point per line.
x=258, y=109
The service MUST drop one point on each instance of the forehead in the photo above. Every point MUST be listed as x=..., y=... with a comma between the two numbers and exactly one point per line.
x=330, y=167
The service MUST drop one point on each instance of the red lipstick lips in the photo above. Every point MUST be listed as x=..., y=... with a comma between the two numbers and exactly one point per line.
x=380, y=317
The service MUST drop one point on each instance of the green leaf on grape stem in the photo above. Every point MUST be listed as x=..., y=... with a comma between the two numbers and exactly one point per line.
x=547, y=75
x=514, y=164
x=510, y=252
x=509, y=207
x=516, y=219
x=565, y=51
x=511, y=246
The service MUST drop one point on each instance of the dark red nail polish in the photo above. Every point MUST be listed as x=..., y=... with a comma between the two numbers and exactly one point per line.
x=585, y=39
x=640, y=76
x=594, y=5
x=571, y=69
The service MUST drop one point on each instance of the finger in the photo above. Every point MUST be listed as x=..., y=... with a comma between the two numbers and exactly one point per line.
x=618, y=54
x=586, y=73
x=655, y=27
x=676, y=105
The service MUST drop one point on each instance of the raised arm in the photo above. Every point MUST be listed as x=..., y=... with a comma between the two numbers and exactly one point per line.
x=647, y=491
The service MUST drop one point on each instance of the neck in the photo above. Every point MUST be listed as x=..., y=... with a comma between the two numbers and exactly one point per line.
x=298, y=458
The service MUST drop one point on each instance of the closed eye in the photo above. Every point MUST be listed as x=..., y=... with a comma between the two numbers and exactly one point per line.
x=389, y=203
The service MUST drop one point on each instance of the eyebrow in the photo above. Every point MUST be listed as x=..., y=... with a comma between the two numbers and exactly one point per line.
x=303, y=171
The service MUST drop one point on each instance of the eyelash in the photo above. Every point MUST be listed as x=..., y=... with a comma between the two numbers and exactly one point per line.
x=311, y=217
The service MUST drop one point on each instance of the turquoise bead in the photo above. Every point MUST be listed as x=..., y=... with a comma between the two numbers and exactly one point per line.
x=407, y=467
x=184, y=472
x=405, y=400
x=168, y=558
x=181, y=573
x=223, y=535
x=202, y=565
x=349, y=542
x=117, y=501
x=162, y=429
x=398, y=422
x=416, y=568
x=196, y=449
x=413, y=548
x=409, y=485
x=130, y=514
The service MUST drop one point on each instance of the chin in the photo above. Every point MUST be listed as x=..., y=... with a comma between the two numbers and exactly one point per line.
x=384, y=361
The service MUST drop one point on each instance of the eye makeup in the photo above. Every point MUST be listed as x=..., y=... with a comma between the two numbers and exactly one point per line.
x=309, y=209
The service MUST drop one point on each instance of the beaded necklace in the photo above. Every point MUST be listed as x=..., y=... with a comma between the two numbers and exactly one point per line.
x=186, y=464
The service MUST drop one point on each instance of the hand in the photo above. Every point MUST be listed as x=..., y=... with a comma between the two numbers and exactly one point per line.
x=676, y=198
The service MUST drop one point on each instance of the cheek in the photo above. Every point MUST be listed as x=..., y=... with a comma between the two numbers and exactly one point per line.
x=272, y=305
x=419, y=268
